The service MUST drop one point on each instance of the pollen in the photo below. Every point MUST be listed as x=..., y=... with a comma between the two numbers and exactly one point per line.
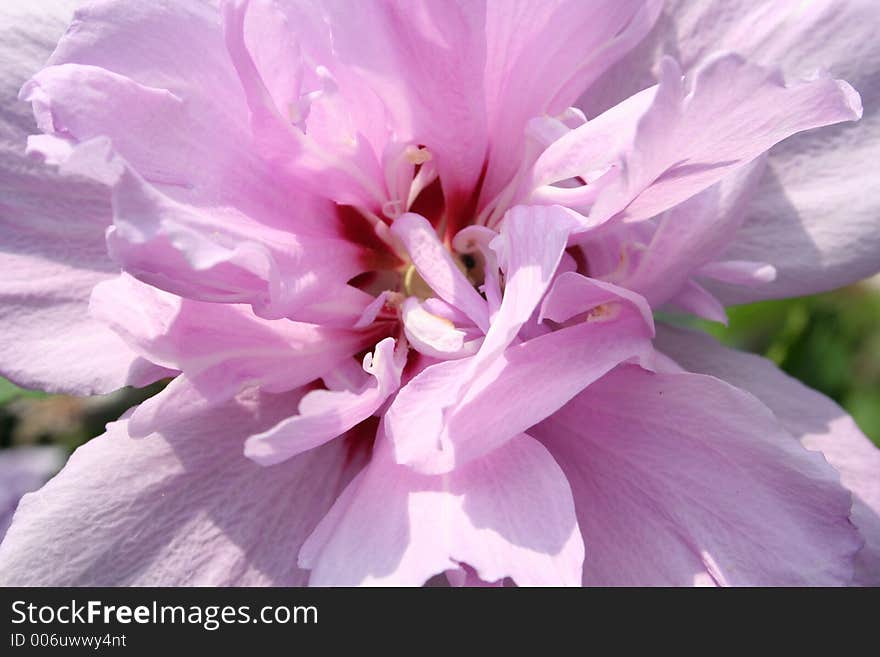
x=603, y=312
x=417, y=156
x=415, y=286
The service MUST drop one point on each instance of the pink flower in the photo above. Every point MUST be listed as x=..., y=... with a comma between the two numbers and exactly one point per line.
x=405, y=290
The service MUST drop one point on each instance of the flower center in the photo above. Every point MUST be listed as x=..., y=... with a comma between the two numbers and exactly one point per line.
x=470, y=264
x=414, y=285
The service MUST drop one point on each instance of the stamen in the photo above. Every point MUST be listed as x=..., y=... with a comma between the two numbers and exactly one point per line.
x=393, y=209
x=415, y=286
x=417, y=155
x=603, y=312
x=382, y=231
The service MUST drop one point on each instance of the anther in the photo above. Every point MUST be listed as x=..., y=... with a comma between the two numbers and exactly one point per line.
x=416, y=156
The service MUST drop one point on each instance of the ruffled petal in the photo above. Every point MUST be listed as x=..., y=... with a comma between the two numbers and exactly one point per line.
x=435, y=265
x=526, y=79
x=197, y=210
x=721, y=117
x=28, y=34
x=509, y=514
x=335, y=162
x=222, y=255
x=430, y=334
x=326, y=414
x=810, y=217
x=450, y=413
x=529, y=249
x=818, y=422
x=198, y=148
x=181, y=508
x=220, y=348
x=436, y=422
x=682, y=479
x=425, y=61
x=691, y=235
x=53, y=239
x=53, y=256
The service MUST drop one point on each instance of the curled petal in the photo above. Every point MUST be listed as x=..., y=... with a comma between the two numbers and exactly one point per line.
x=221, y=348
x=431, y=334
x=526, y=79
x=326, y=414
x=435, y=265
x=679, y=151
x=434, y=430
x=507, y=515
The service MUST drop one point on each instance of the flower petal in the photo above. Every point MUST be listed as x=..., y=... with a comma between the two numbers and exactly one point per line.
x=693, y=234
x=222, y=255
x=435, y=265
x=53, y=239
x=573, y=294
x=811, y=218
x=589, y=150
x=509, y=514
x=181, y=508
x=434, y=430
x=426, y=62
x=529, y=249
x=53, y=256
x=193, y=199
x=28, y=34
x=221, y=348
x=682, y=479
x=724, y=115
x=326, y=414
x=22, y=470
x=198, y=148
x=431, y=334
x=526, y=79
x=818, y=422
x=695, y=299
x=342, y=167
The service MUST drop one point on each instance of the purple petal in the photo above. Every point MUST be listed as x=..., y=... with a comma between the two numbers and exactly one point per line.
x=431, y=334
x=435, y=431
x=222, y=348
x=529, y=249
x=682, y=479
x=818, y=422
x=326, y=414
x=180, y=508
x=678, y=150
x=811, y=218
x=509, y=514
x=22, y=470
x=525, y=78
x=435, y=265
x=425, y=61
x=53, y=239
x=693, y=234
x=260, y=38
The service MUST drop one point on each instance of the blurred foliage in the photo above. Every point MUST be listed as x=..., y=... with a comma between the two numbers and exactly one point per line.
x=29, y=417
x=10, y=391
x=831, y=342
